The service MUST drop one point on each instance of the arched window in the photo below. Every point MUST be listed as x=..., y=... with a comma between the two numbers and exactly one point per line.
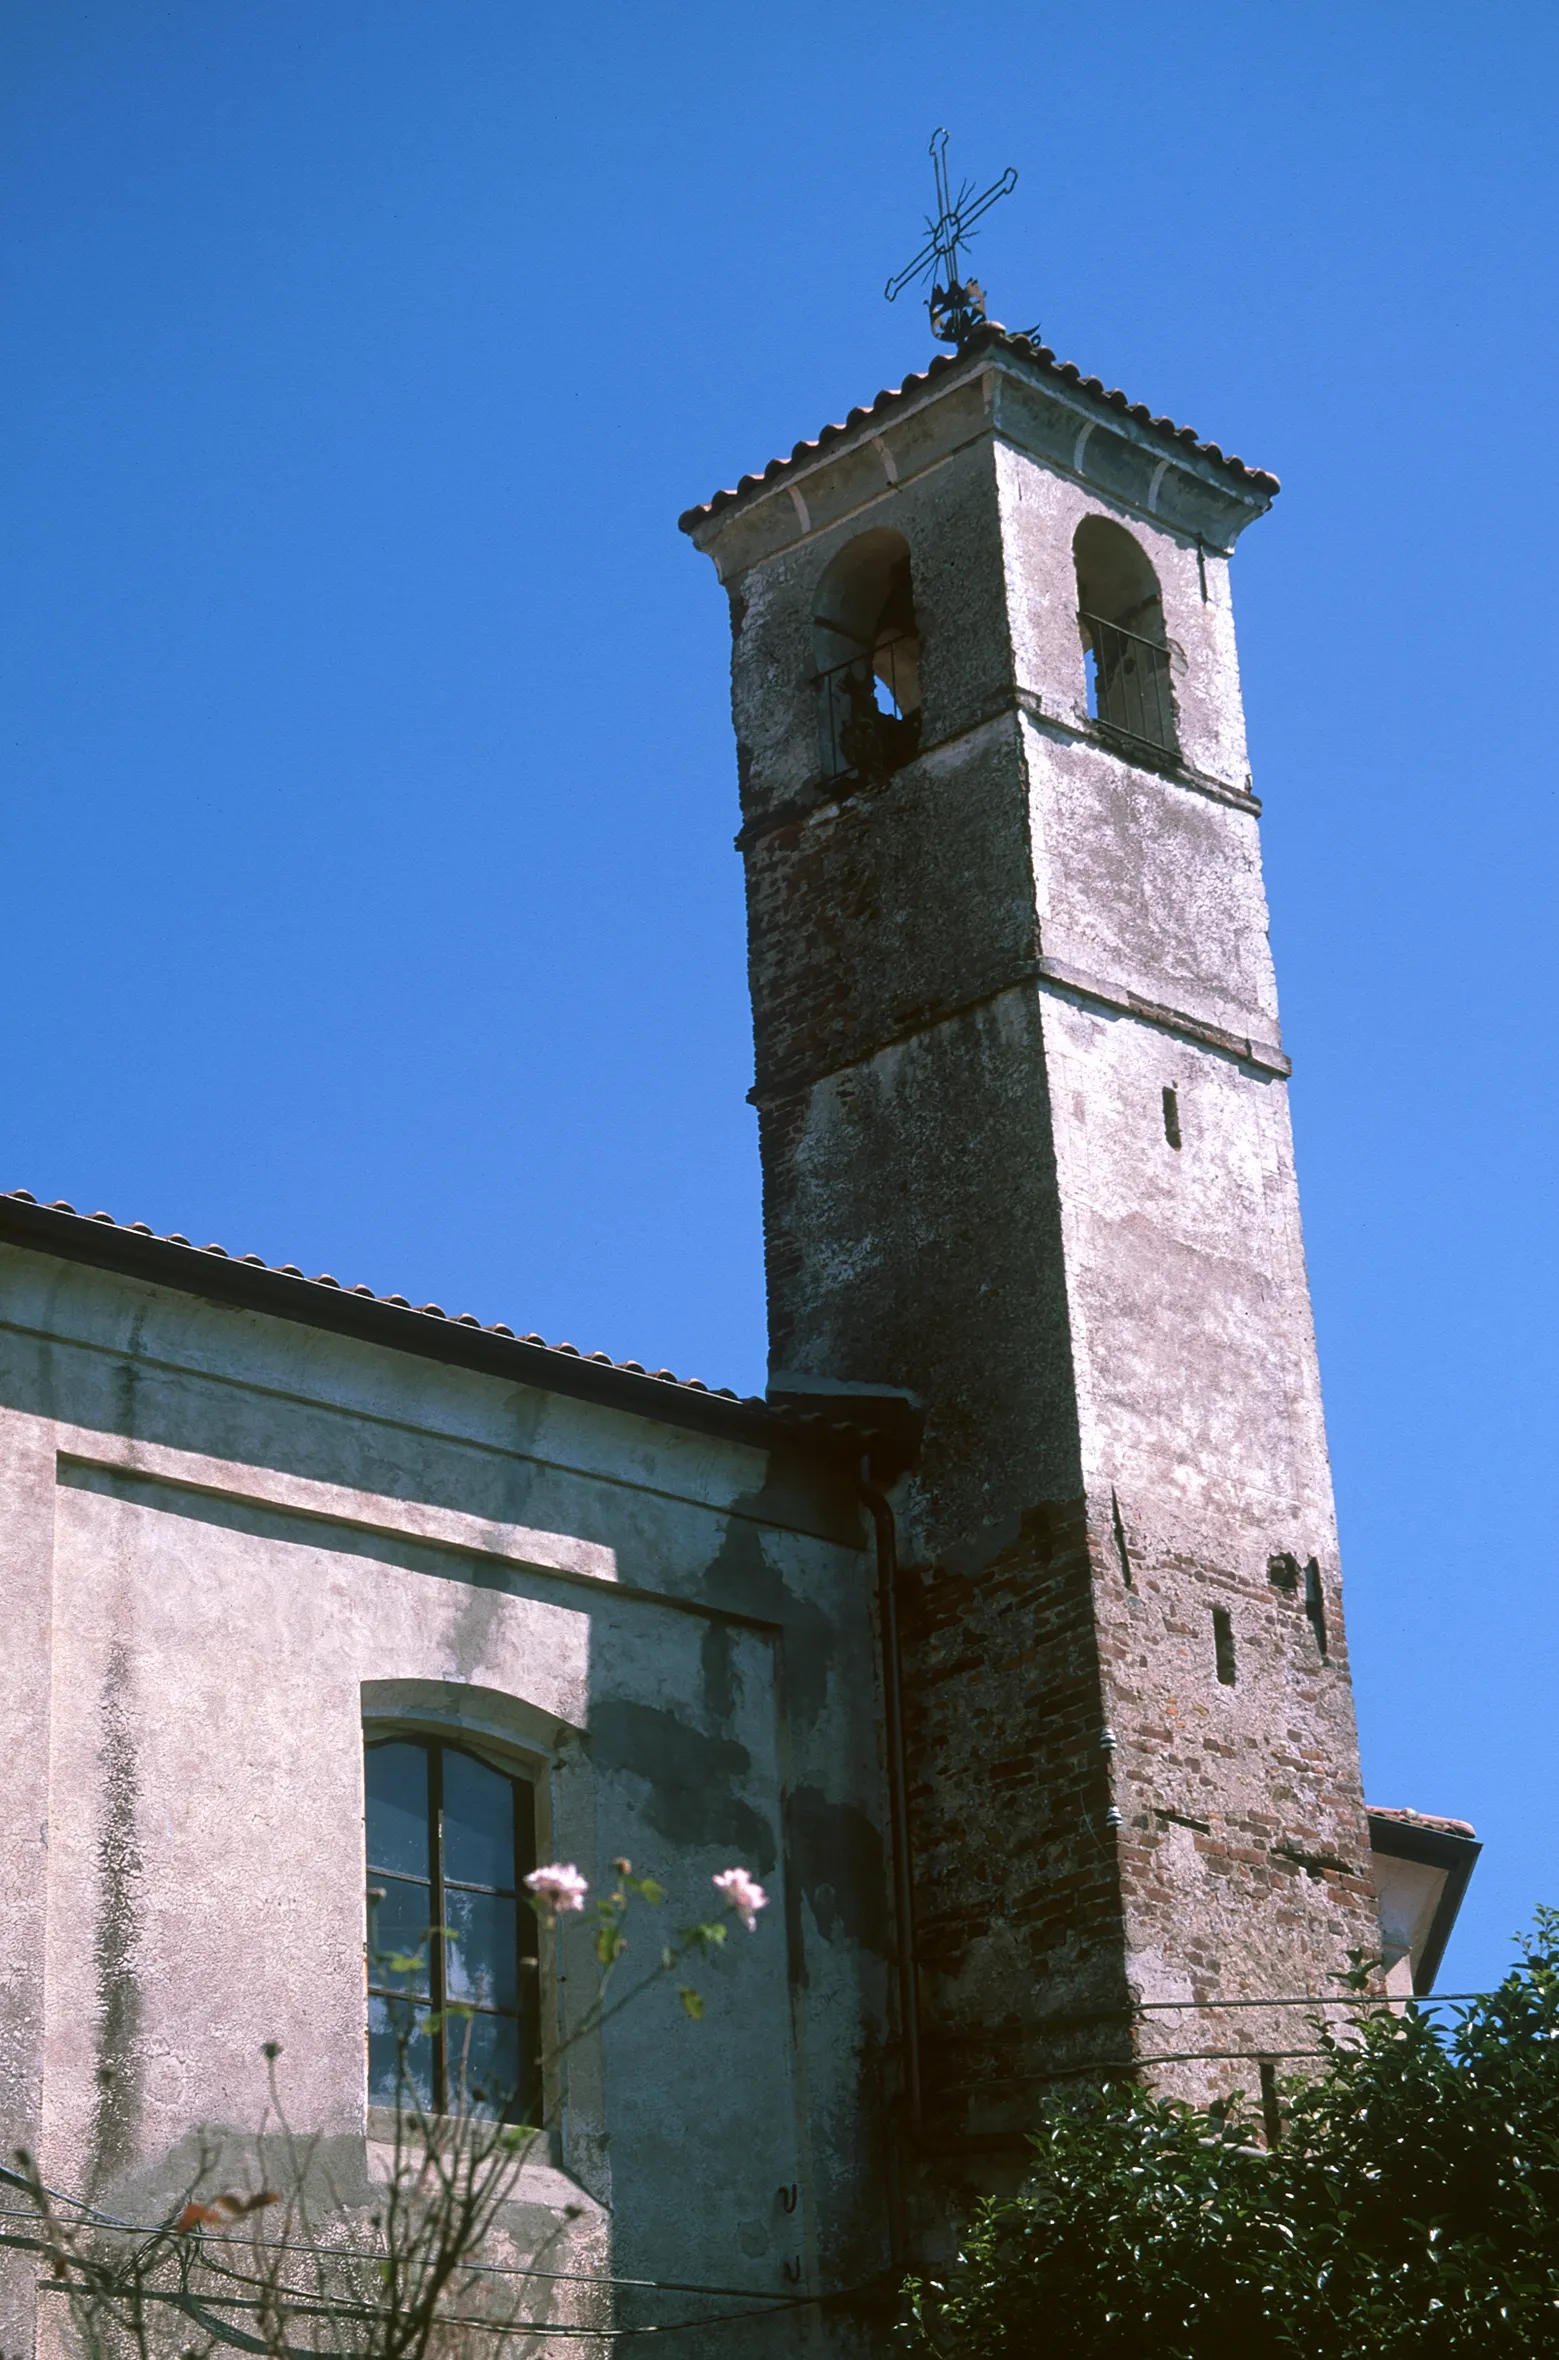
x=453, y=2008
x=1121, y=616
x=867, y=646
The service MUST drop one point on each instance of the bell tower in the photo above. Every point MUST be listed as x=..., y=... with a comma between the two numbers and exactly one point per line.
x=1026, y=1156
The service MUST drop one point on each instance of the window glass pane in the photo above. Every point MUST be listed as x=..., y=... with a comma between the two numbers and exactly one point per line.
x=398, y=1929
x=483, y=1840
x=525, y=1853
x=478, y=1823
x=484, y=2065
x=483, y=1963
x=400, y=2053
x=396, y=1777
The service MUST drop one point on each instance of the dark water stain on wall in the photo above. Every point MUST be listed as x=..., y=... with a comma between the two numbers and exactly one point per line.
x=116, y=2117
x=741, y=1577
x=838, y=1860
x=719, y=1677
x=480, y=1605
x=127, y=1378
x=691, y=1777
x=835, y=1853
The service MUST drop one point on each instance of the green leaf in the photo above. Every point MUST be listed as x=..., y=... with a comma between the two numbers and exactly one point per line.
x=691, y=2001
x=1407, y=2214
x=708, y=1936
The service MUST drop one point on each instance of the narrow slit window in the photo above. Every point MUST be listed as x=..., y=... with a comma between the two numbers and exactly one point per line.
x=1315, y=1606
x=1223, y=1645
x=453, y=2006
x=1121, y=1550
x=1171, y=1114
x=1271, y=2107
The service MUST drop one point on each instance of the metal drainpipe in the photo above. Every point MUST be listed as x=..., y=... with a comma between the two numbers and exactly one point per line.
x=886, y=1532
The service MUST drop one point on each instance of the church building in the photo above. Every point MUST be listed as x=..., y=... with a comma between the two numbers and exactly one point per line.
x=1003, y=1642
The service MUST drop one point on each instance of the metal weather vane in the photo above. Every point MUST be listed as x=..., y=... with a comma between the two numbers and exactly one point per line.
x=956, y=305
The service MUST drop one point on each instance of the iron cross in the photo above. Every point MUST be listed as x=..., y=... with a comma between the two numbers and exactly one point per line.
x=957, y=307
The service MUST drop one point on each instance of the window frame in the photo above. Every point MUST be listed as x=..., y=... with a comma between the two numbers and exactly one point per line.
x=526, y=2103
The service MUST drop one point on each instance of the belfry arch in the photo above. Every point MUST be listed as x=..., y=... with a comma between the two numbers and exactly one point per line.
x=866, y=647
x=1120, y=614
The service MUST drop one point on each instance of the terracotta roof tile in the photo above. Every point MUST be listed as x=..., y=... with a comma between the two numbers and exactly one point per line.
x=1405, y=1818
x=999, y=338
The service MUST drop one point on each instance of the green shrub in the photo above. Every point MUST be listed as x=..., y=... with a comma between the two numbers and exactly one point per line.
x=1411, y=2208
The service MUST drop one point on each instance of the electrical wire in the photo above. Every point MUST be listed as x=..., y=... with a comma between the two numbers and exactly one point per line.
x=1129, y=2010
x=773, y=2303
x=199, y=2307
x=99, y=2220
x=1109, y=2065
x=1401, y=2001
x=1349, y=1999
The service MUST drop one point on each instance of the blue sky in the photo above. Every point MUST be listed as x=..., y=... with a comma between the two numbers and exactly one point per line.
x=370, y=894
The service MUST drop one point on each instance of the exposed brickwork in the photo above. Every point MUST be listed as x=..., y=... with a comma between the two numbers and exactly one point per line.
x=1245, y=1866
x=848, y=951
x=1017, y=1886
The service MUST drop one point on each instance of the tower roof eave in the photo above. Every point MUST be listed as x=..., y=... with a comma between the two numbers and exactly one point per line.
x=1111, y=405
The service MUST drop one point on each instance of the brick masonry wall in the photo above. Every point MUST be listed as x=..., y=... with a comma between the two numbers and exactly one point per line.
x=1021, y=1939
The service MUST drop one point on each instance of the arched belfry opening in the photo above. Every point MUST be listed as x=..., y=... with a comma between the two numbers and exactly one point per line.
x=1121, y=617
x=866, y=644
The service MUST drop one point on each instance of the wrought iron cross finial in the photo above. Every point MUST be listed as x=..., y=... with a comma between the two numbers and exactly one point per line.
x=957, y=306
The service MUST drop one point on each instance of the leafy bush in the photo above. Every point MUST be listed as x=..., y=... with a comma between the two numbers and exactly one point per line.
x=1411, y=2208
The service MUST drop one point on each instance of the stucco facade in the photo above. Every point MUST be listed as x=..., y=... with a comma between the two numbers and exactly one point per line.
x=235, y=1541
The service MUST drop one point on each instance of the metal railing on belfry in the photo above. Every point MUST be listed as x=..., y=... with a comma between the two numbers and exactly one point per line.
x=1130, y=687
x=860, y=739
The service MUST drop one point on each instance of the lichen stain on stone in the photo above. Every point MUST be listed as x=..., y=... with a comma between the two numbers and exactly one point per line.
x=116, y=2116
x=691, y=1778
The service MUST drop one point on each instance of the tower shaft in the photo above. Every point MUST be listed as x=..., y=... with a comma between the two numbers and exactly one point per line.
x=1026, y=1155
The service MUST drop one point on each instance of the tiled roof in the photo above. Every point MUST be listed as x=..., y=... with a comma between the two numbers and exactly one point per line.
x=1040, y=355
x=1439, y=1827
x=283, y=1288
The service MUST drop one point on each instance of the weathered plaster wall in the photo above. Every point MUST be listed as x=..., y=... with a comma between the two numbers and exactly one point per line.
x=1244, y=1853
x=1041, y=510
x=231, y=1542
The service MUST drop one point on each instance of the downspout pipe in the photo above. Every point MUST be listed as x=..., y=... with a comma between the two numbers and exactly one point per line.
x=885, y=1530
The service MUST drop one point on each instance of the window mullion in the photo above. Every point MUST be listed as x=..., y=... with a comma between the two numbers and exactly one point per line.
x=436, y=1963
x=522, y=1981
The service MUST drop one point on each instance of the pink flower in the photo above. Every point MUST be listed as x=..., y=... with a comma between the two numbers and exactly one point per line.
x=743, y=1894
x=558, y=1888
